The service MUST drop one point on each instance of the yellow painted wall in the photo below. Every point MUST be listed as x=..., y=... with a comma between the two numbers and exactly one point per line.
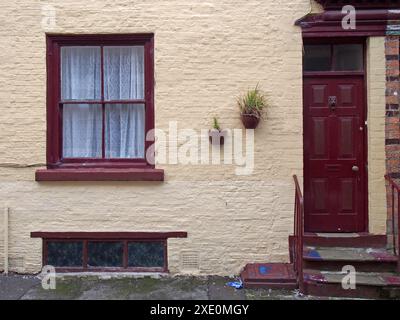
x=206, y=54
x=376, y=82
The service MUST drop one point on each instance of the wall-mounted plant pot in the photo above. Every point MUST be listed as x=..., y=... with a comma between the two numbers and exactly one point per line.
x=217, y=137
x=250, y=121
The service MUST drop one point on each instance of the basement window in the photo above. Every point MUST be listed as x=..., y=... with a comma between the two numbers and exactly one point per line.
x=105, y=254
x=65, y=253
x=94, y=255
x=107, y=251
x=146, y=254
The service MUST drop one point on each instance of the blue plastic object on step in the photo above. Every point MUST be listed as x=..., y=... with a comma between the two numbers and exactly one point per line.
x=313, y=254
x=235, y=284
x=264, y=269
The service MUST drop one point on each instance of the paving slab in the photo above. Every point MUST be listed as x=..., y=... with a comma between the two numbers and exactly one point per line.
x=218, y=290
x=177, y=288
x=66, y=289
x=130, y=288
x=13, y=287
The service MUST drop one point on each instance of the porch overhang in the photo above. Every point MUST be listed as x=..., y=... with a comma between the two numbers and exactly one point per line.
x=358, y=4
x=369, y=22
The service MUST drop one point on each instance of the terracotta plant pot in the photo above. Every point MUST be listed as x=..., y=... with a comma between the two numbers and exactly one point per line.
x=217, y=136
x=250, y=121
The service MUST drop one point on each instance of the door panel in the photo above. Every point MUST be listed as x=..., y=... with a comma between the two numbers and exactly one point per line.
x=347, y=134
x=320, y=190
x=347, y=196
x=319, y=143
x=334, y=165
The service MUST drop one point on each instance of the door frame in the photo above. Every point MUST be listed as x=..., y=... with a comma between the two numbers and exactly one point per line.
x=363, y=74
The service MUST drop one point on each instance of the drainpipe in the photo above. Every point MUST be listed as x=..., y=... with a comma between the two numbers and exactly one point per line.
x=6, y=214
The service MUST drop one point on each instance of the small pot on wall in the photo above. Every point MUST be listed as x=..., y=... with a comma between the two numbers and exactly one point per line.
x=217, y=137
x=250, y=121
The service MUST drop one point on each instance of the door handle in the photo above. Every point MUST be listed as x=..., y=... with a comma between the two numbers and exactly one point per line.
x=355, y=168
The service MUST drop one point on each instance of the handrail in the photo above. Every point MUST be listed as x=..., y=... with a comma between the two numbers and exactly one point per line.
x=298, y=234
x=394, y=186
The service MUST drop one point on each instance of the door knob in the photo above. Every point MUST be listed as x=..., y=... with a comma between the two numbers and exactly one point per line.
x=355, y=168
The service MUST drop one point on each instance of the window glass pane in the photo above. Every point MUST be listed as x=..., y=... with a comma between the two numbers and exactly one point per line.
x=80, y=73
x=64, y=254
x=123, y=73
x=105, y=254
x=125, y=130
x=146, y=254
x=348, y=57
x=317, y=58
x=82, y=131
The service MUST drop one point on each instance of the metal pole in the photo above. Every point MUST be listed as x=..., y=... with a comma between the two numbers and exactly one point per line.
x=6, y=216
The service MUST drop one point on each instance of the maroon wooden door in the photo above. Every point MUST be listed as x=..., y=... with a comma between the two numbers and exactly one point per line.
x=334, y=158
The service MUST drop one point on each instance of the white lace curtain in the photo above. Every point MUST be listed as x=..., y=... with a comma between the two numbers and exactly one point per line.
x=82, y=123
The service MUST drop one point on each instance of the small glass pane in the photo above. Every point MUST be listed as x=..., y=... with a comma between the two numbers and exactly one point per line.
x=64, y=254
x=80, y=73
x=348, y=57
x=123, y=73
x=317, y=58
x=105, y=254
x=82, y=131
x=124, y=131
x=146, y=254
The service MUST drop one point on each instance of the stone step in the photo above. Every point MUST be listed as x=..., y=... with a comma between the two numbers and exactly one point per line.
x=363, y=259
x=355, y=240
x=372, y=285
x=269, y=275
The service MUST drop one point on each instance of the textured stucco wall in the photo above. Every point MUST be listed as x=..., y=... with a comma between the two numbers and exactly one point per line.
x=376, y=85
x=206, y=54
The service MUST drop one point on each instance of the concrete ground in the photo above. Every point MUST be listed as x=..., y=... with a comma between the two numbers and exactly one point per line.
x=91, y=287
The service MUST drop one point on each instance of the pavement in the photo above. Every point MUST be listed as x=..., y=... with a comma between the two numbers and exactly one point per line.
x=90, y=287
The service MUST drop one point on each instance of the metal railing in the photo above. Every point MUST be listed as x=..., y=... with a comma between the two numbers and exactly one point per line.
x=395, y=198
x=298, y=235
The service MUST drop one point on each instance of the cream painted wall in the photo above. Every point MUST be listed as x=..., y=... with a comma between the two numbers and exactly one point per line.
x=376, y=85
x=206, y=54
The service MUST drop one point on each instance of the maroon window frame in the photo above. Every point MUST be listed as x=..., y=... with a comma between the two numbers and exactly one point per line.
x=124, y=268
x=124, y=237
x=332, y=42
x=55, y=159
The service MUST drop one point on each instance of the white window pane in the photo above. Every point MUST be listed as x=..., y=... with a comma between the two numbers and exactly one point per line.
x=80, y=73
x=82, y=131
x=125, y=131
x=123, y=73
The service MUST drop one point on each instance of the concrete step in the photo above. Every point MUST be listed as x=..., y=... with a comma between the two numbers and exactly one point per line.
x=362, y=259
x=367, y=284
x=269, y=275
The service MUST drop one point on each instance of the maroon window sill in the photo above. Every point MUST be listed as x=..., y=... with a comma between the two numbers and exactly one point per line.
x=101, y=174
x=109, y=235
